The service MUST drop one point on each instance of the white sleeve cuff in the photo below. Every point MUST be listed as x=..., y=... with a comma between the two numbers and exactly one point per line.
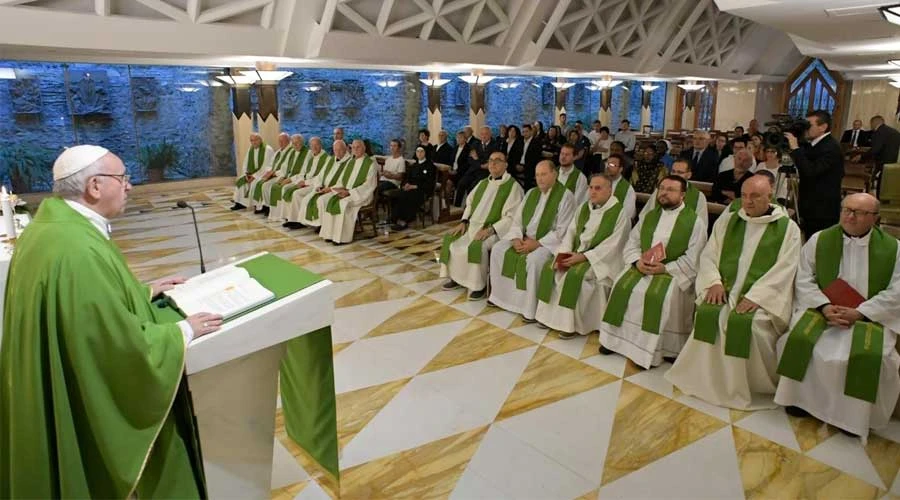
x=186, y=331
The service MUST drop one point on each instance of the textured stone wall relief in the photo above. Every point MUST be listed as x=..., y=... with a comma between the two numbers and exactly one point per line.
x=25, y=95
x=88, y=92
x=145, y=93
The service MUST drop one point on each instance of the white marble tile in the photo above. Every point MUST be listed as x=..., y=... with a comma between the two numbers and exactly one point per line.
x=385, y=267
x=423, y=287
x=500, y=319
x=521, y=471
x=285, y=469
x=571, y=348
x=707, y=468
x=437, y=405
x=312, y=492
x=471, y=307
x=471, y=486
x=896, y=488
x=723, y=414
x=531, y=332
x=613, y=364
x=341, y=288
x=352, y=323
x=654, y=380
x=376, y=360
x=891, y=431
x=847, y=454
x=447, y=296
x=773, y=425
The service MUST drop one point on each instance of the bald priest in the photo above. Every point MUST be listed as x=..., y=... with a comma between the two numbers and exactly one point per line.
x=93, y=402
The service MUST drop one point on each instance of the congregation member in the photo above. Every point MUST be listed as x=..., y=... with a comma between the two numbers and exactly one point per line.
x=581, y=144
x=650, y=311
x=737, y=145
x=531, y=155
x=513, y=146
x=648, y=170
x=406, y=201
x=626, y=136
x=306, y=211
x=839, y=363
x=564, y=127
x=573, y=286
x=757, y=148
x=257, y=162
x=443, y=152
x=425, y=143
x=723, y=150
x=753, y=128
x=482, y=150
x=488, y=215
x=693, y=197
x=393, y=169
x=354, y=189
x=600, y=143
x=772, y=164
x=458, y=167
x=704, y=160
x=293, y=166
x=551, y=143
x=627, y=163
x=94, y=401
x=301, y=183
x=622, y=189
x=663, y=149
x=820, y=168
x=885, y=147
x=537, y=229
x=570, y=176
x=856, y=137
x=727, y=186
x=470, y=136
x=744, y=296
x=266, y=180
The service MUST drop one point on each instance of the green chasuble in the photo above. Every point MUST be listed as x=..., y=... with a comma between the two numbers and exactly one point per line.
x=255, y=160
x=330, y=175
x=334, y=204
x=572, y=180
x=94, y=402
x=281, y=156
x=315, y=166
x=514, y=262
x=494, y=215
x=621, y=190
x=864, y=365
x=294, y=163
x=655, y=294
x=738, y=331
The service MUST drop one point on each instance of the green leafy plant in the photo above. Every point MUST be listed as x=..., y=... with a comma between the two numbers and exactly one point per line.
x=27, y=169
x=156, y=158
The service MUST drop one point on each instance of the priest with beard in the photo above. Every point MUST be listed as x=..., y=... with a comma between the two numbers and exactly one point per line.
x=839, y=363
x=744, y=297
x=650, y=310
x=257, y=163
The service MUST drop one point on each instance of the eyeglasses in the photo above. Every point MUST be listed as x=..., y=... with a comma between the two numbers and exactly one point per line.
x=123, y=178
x=856, y=213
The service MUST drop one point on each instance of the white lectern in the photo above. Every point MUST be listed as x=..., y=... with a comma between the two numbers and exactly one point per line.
x=233, y=377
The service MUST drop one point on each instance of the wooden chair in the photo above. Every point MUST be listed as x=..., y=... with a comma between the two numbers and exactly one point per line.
x=368, y=214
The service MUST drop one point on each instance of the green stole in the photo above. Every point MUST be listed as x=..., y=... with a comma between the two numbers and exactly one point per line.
x=253, y=163
x=656, y=292
x=514, y=262
x=288, y=193
x=571, y=289
x=295, y=161
x=738, y=328
x=572, y=180
x=621, y=190
x=312, y=207
x=280, y=157
x=334, y=203
x=864, y=365
x=692, y=197
x=494, y=215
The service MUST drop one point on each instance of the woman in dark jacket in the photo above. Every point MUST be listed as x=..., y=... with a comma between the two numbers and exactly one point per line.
x=514, y=146
x=552, y=143
x=419, y=182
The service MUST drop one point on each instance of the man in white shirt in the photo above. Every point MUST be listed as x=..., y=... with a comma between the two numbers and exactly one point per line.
x=393, y=169
x=594, y=134
x=626, y=136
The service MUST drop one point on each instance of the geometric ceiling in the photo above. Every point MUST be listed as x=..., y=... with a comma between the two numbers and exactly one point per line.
x=713, y=38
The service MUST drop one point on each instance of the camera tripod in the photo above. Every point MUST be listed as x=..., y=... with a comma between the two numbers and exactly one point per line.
x=788, y=182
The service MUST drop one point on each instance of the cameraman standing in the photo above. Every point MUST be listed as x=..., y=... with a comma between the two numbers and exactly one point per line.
x=820, y=165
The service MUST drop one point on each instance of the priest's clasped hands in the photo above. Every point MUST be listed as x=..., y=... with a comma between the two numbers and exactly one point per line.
x=716, y=295
x=649, y=269
x=841, y=316
x=525, y=245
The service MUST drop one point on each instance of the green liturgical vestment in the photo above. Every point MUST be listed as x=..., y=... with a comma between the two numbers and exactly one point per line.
x=93, y=402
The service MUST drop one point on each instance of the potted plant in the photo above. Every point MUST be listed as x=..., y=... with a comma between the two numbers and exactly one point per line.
x=156, y=158
x=28, y=169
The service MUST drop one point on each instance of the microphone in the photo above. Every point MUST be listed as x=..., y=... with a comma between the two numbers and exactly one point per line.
x=183, y=204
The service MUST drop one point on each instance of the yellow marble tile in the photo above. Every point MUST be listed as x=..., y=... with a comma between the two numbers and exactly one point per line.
x=810, y=432
x=336, y=348
x=591, y=495
x=550, y=377
x=135, y=243
x=405, y=268
x=325, y=479
x=289, y=492
x=489, y=309
x=423, y=277
x=314, y=257
x=137, y=257
x=152, y=272
x=591, y=347
x=736, y=415
x=378, y=290
x=257, y=235
x=478, y=340
x=421, y=313
x=648, y=427
x=346, y=272
x=427, y=249
x=770, y=471
x=356, y=408
x=407, y=242
x=631, y=368
x=282, y=245
x=429, y=471
x=885, y=456
x=237, y=226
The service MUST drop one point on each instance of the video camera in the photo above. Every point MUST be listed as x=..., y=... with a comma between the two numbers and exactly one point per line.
x=781, y=123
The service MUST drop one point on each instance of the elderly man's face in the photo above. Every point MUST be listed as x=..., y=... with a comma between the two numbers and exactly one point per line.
x=316, y=146
x=485, y=134
x=497, y=164
x=297, y=142
x=283, y=140
x=255, y=140
x=340, y=149
x=442, y=136
x=700, y=141
x=858, y=214
x=857, y=124
x=545, y=176
x=111, y=189
x=599, y=190
x=339, y=134
x=358, y=148
x=755, y=195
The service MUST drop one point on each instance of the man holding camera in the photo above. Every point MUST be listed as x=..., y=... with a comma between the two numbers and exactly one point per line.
x=820, y=165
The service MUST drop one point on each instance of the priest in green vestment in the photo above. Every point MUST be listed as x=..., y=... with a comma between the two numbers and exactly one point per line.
x=693, y=198
x=537, y=229
x=93, y=402
x=257, y=163
x=573, y=287
x=839, y=362
x=354, y=189
x=293, y=173
x=308, y=209
x=744, y=296
x=570, y=176
x=267, y=177
x=488, y=215
x=316, y=161
x=284, y=162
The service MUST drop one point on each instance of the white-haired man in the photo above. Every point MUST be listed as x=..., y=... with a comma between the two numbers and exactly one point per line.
x=257, y=163
x=355, y=188
x=307, y=211
x=286, y=159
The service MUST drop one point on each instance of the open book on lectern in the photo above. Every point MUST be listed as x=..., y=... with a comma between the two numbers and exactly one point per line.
x=227, y=291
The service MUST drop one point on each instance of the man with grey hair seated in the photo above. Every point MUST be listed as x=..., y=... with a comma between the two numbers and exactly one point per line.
x=86, y=363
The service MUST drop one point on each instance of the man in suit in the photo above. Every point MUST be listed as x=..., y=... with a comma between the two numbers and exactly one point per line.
x=531, y=155
x=820, y=164
x=885, y=147
x=856, y=137
x=482, y=149
x=443, y=152
x=470, y=136
x=703, y=159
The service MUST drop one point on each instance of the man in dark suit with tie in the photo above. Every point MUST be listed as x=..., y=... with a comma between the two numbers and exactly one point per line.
x=856, y=137
x=704, y=159
x=885, y=147
x=443, y=152
x=482, y=149
x=531, y=155
x=820, y=164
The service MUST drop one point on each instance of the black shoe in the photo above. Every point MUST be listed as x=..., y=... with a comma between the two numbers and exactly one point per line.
x=238, y=206
x=478, y=295
x=265, y=211
x=670, y=359
x=604, y=351
x=848, y=433
x=450, y=285
x=567, y=335
x=292, y=225
x=796, y=411
x=260, y=211
x=529, y=321
x=336, y=243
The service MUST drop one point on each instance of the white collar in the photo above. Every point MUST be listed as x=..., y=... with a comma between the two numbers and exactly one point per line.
x=568, y=170
x=819, y=139
x=98, y=221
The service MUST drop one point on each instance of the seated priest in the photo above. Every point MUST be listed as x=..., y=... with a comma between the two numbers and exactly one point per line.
x=257, y=162
x=537, y=229
x=693, y=198
x=622, y=189
x=293, y=163
x=264, y=182
x=573, y=287
x=354, y=189
x=744, y=296
x=306, y=211
x=650, y=310
x=419, y=182
x=93, y=400
x=570, y=177
x=488, y=215
x=300, y=184
x=839, y=363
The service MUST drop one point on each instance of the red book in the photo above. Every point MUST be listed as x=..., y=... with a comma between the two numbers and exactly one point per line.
x=656, y=253
x=560, y=258
x=840, y=293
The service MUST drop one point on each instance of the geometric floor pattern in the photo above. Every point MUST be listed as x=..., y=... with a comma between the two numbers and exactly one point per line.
x=441, y=397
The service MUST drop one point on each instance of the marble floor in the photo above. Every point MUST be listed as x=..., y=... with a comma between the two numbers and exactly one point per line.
x=441, y=397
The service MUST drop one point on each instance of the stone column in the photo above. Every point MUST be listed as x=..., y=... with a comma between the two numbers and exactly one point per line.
x=645, y=109
x=242, y=122
x=434, y=114
x=605, y=112
x=477, y=111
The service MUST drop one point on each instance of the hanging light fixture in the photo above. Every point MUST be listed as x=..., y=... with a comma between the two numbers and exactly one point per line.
x=387, y=84
x=508, y=85
x=477, y=79
x=890, y=13
x=237, y=79
x=434, y=82
x=895, y=83
x=649, y=87
x=691, y=87
x=606, y=84
x=562, y=85
x=266, y=76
